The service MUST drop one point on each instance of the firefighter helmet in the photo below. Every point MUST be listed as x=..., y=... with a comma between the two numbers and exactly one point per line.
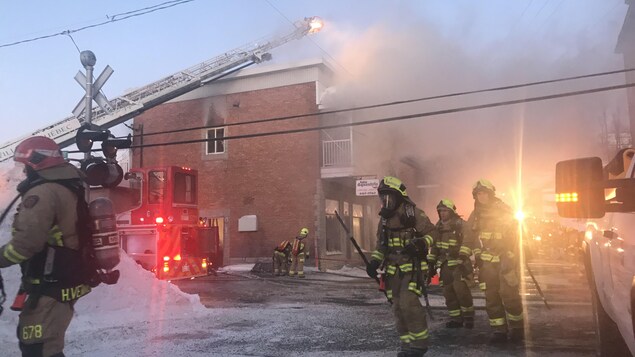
x=392, y=184
x=447, y=203
x=483, y=185
x=304, y=232
x=38, y=152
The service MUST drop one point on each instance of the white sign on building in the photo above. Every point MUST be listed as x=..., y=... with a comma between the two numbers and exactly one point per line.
x=366, y=187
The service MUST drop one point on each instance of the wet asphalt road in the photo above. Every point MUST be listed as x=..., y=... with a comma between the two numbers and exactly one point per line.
x=342, y=315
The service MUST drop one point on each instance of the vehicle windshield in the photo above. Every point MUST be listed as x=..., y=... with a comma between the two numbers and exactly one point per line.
x=156, y=186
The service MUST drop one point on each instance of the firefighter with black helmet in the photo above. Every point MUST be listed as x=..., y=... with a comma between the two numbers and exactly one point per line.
x=281, y=256
x=451, y=254
x=46, y=220
x=403, y=237
x=299, y=252
x=492, y=226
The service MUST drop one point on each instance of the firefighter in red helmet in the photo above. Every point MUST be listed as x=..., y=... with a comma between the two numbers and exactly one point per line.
x=451, y=254
x=403, y=236
x=492, y=226
x=46, y=220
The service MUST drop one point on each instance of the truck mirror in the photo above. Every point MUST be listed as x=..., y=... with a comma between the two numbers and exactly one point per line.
x=580, y=188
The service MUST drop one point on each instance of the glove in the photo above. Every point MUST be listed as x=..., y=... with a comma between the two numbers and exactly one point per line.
x=371, y=268
x=478, y=262
x=411, y=250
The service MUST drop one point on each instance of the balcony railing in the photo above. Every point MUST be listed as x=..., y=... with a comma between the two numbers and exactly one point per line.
x=337, y=153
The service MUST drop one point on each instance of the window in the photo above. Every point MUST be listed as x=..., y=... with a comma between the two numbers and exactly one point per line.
x=214, y=145
x=184, y=188
x=156, y=186
x=358, y=225
x=333, y=228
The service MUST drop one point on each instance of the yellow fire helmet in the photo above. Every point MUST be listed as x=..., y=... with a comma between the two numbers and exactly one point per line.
x=304, y=232
x=447, y=203
x=394, y=184
x=483, y=185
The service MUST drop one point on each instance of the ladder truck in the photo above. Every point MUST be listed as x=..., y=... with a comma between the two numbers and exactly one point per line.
x=127, y=106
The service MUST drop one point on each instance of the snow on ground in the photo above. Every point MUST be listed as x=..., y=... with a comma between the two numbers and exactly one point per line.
x=137, y=298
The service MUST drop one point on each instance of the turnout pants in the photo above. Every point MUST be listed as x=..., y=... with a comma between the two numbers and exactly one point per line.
x=409, y=314
x=280, y=263
x=41, y=329
x=297, y=264
x=458, y=297
x=502, y=300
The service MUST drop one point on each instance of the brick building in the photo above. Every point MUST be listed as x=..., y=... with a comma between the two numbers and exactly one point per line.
x=279, y=182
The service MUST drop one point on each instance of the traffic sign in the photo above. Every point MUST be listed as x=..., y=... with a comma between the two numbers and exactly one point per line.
x=98, y=97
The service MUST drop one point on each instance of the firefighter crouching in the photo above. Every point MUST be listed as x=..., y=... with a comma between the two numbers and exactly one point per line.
x=451, y=253
x=46, y=218
x=403, y=235
x=299, y=253
x=281, y=258
x=492, y=225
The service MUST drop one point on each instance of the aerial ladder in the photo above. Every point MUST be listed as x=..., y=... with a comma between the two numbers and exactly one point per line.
x=127, y=106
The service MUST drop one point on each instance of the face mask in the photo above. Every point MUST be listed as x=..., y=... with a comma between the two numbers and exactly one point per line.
x=389, y=204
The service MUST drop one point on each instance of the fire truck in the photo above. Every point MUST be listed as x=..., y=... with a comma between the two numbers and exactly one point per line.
x=163, y=232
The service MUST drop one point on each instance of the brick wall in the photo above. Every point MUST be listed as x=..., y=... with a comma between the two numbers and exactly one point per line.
x=272, y=177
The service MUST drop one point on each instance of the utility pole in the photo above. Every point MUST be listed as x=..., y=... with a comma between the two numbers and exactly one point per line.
x=88, y=60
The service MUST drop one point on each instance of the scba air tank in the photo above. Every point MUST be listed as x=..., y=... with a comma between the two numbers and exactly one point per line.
x=105, y=236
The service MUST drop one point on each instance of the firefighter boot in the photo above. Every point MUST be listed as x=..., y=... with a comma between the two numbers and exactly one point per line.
x=468, y=322
x=498, y=338
x=412, y=352
x=517, y=334
x=454, y=324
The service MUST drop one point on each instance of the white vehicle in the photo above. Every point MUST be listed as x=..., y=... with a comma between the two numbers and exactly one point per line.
x=605, y=195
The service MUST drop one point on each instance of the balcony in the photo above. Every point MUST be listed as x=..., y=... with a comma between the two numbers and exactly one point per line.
x=337, y=158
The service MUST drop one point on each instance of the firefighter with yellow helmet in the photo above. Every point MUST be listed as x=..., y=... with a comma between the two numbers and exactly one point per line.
x=299, y=252
x=451, y=254
x=403, y=237
x=492, y=227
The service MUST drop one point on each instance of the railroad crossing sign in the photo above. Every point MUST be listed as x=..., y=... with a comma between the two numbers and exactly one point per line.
x=98, y=97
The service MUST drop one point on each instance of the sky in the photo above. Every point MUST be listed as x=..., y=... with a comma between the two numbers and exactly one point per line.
x=382, y=52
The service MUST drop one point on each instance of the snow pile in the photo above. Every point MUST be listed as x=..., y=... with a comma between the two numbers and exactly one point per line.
x=138, y=296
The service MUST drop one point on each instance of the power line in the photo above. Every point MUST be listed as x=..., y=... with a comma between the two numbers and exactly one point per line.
x=258, y=121
x=111, y=19
x=391, y=119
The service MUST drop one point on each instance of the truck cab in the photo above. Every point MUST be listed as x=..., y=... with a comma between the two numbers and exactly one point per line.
x=163, y=231
x=603, y=197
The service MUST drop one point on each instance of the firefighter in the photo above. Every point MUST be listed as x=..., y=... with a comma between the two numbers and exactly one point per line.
x=46, y=217
x=451, y=253
x=281, y=256
x=492, y=228
x=404, y=233
x=299, y=253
